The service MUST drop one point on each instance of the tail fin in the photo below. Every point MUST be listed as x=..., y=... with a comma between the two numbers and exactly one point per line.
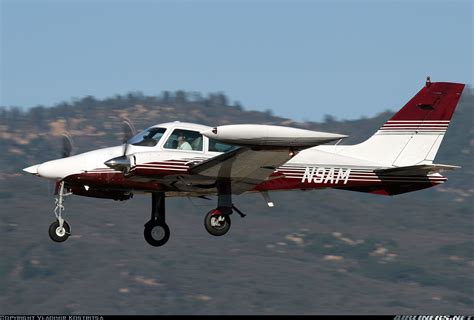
x=413, y=135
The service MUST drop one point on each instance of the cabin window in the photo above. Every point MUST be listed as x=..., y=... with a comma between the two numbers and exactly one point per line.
x=148, y=137
x=184, y=140
x=217, y=146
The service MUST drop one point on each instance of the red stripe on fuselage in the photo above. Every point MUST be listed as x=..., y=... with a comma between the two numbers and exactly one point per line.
x=287, y=177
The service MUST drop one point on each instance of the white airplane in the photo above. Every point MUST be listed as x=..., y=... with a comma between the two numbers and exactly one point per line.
x=184, y=159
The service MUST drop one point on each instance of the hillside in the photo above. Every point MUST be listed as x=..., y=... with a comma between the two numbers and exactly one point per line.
x=318, y=252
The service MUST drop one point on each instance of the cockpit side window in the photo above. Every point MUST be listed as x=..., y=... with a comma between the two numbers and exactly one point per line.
x=217, y=146
x=184, y=140
x=148, y=137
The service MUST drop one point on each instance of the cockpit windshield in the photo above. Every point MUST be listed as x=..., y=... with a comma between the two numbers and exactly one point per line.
x=148, y=137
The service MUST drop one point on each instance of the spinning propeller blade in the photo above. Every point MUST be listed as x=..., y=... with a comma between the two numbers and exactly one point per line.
x=67, y=145
x=128, y=132
x=122, y=163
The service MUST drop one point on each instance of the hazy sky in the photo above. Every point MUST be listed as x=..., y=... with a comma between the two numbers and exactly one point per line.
x=300, y=59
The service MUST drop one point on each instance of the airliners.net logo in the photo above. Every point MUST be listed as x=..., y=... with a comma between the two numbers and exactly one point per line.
x=433, y=318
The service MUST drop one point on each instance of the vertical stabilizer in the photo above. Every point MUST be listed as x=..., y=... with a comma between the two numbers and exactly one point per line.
x=413, y=135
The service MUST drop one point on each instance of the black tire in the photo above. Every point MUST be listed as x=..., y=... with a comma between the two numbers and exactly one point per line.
x=156, y=233
x=217, y=228
x=57, y=235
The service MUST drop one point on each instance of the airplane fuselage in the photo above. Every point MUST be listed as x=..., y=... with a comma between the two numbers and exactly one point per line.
x=313, y=168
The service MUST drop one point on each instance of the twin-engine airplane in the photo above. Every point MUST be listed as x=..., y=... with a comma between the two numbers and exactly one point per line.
x=184, y=159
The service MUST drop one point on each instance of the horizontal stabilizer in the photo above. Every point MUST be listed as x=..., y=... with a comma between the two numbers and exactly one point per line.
x=417, y=170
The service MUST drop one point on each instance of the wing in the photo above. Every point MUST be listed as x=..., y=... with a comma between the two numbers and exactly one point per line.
x=243, y=167
x=263, y=149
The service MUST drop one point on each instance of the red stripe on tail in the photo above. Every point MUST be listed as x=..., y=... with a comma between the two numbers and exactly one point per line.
x=435, y=101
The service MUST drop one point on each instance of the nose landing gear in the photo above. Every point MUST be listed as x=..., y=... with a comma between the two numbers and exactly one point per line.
x=59, y=230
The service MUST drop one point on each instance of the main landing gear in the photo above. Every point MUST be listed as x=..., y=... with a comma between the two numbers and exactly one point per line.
x=157, y=232
x=217, y=221
x=60, y=230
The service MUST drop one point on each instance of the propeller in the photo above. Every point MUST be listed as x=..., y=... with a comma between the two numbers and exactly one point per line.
x=122, y=163
x=67, y=151
x=128, y=131
x=67, y=145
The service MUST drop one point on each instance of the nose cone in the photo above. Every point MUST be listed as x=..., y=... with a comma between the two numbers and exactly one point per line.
x=49, y=170
x=32, y=169
x=58, y=169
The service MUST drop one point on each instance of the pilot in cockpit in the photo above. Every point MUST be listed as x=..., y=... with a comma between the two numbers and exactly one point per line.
x=182, y=143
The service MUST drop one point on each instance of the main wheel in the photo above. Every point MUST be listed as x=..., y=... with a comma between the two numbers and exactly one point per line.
x=156, y=233
x=216, y=223
x=58, y=234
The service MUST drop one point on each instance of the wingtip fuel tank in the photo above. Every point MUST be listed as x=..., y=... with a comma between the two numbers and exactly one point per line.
x=269, y=136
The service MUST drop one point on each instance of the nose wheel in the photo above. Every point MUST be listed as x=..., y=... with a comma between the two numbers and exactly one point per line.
x=217, y=223
x=59, y=233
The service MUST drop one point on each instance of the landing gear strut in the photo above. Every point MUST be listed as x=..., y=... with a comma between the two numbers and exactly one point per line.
x=157, y=232
x=217, y=221
x=60, y=230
